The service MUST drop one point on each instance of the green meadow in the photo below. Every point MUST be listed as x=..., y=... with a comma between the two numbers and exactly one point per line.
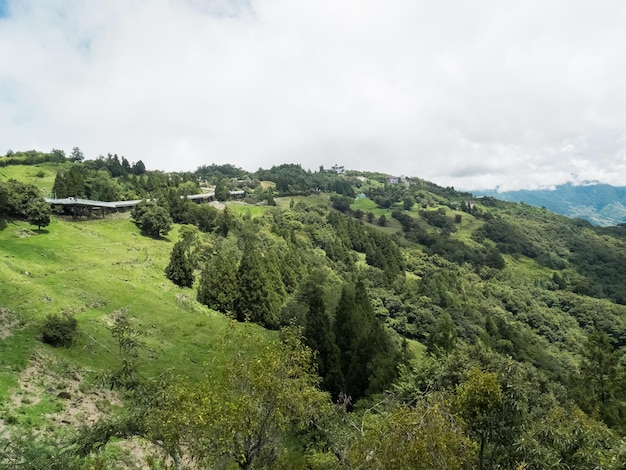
x=92, y=269
x=41, y=175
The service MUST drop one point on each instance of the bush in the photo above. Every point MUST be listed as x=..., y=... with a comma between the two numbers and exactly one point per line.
x=59, y=329
x=153, y=220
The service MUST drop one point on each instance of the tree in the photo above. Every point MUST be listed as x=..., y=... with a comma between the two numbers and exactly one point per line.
x=443, y=337
x=218, y=283
x=321, y=339
x=602, y=382
x=19, y=196
x=341, y=203
x=180, y=270
x=103, y=188
x=59, y=189
x=189, y=237
x=565, y=437
x=204, y=216
x=260, y=290
x=57, y=156
x=221, y=191
x=129, y=336
x=368, y=356
x=75, y=182
x=153, y=220
x=4, y=198
x=240, y=418
x=139, y=168
x=76, y=156
x=382, y=220
x=479, y=400
x=226, y=221
x=38, y=213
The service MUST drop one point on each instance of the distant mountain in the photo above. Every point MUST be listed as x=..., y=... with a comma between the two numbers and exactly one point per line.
x=600, y=204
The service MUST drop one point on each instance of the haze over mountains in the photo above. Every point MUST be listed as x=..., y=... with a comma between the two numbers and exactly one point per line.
x=600, y=204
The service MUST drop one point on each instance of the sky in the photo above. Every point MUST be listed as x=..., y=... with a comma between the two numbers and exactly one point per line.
x=477, y=94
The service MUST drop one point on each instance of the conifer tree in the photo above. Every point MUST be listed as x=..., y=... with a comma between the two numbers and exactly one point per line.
x=217, y=287
x=368, y=357
x=59, y=189
x=180, y=269
x=602, y=382
x=292, y=270
x=221, y=191
x=260, y=290
x=320, y=337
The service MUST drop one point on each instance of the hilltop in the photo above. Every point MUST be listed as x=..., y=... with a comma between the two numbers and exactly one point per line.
x=499, y=323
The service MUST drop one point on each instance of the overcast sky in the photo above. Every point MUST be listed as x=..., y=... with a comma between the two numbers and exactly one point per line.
x=474, y=94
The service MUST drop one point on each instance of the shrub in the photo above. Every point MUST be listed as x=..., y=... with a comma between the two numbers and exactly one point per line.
x=59, y=329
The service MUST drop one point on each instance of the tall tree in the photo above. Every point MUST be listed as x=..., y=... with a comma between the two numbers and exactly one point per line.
x=76, y=156
x=368, y=356
x=180, y=270
x=218, y=283
x=221, y=191
x=139, y=168
x=75, y=182
x=602, y=380
x=59, y=189
x=320, y=338
x=260, y=291
x=479, y=400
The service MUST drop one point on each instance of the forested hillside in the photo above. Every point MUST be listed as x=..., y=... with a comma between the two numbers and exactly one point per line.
x=321, y=320
x=600, y=204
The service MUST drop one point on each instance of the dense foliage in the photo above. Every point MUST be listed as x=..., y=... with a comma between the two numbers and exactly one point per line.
x=421, y=328
x=22, y=200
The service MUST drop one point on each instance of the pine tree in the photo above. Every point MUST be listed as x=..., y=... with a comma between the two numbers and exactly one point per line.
x=59, y=189
x=260, y=290
x=292, y=270
x=320, y=337
x=180, y=269
x=221, y=191
x=602, y=383
x=218, y=282
x=368, y=356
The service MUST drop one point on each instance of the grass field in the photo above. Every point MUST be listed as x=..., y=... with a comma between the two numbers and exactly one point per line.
x=41, y=175
x=243, y=209
x=93, y=268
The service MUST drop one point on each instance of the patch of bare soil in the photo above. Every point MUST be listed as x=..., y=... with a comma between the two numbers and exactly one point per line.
x=8, y=323
x=47, y=379
x=218, y=205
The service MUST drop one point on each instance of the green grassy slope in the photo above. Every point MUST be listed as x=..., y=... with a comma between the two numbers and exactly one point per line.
x=93, y=268
x=41, y=175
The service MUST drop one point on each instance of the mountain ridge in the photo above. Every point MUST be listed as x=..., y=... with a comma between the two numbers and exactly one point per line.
x=598, y=203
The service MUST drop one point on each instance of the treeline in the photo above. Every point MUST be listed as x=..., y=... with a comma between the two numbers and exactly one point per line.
x=32, y=157
x=95, y=180
x=293, y=180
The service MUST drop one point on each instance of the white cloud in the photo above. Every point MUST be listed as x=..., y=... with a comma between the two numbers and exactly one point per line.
x=471, y=94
